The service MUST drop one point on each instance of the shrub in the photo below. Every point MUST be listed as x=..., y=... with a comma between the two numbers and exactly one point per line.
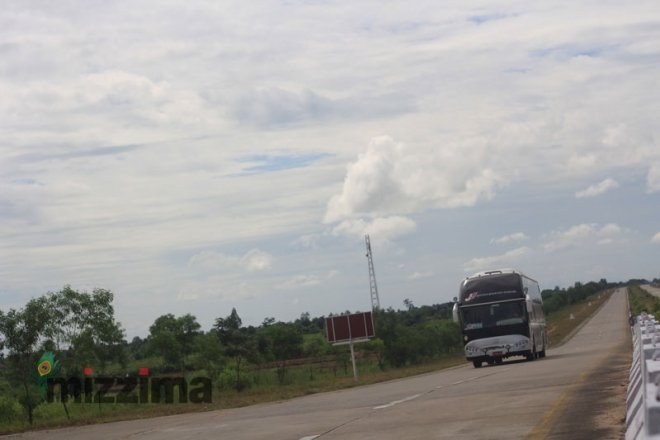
x=10, y=410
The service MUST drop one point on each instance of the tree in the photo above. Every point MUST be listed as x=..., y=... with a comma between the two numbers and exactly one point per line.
x=237, y=342
x=188, y=330
x=286, y=342
x=173, y=338
x=315, y=346
x=23, y=330
x=83, y=327
x=208, y=354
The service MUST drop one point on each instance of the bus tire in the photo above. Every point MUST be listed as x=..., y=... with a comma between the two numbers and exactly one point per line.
x=532, y=353
x=545, y=345
x=542, y=353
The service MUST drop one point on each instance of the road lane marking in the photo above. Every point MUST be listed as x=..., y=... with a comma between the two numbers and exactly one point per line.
x=470, y=379
x=396, y=402
x=310, y=437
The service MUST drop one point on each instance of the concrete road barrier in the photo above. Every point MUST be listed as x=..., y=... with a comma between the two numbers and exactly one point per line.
x=643, y=412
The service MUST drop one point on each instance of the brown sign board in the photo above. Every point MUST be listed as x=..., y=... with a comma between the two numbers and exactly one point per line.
x=347, y=328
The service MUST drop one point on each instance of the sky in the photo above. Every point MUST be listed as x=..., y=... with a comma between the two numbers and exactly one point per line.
x=197, y=156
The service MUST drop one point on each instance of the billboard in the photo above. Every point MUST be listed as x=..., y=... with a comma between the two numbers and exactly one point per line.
x=347, y=328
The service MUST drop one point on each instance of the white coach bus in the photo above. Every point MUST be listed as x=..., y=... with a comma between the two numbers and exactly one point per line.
x=501, y=315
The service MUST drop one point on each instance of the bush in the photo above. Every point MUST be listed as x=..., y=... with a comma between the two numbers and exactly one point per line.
x=228, y=380
x=10, y=410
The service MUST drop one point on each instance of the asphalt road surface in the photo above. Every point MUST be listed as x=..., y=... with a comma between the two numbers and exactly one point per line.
x=574, y=393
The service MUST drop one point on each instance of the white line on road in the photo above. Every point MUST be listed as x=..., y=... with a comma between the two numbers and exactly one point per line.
x=396, y=402
x=310, y=437
x=469, y=379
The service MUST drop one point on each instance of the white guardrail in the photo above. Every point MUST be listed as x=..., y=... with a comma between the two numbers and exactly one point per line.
x=643, y=415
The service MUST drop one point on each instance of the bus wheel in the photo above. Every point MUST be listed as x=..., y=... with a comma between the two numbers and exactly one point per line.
x=477, y=364
x=542, y=353
x=532, y=353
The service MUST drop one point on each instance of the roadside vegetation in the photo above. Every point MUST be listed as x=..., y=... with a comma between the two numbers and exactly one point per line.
x=246, y=364
x=642, y=301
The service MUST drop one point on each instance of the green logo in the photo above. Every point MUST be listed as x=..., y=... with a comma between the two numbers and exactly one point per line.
x=46, y=368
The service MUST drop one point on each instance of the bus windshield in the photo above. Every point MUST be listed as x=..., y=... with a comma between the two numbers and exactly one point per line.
x=493, y=315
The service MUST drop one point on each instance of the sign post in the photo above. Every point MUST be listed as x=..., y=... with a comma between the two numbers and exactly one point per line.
x=355, y=372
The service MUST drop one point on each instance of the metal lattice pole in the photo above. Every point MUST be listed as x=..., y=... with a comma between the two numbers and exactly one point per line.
x=373, y=287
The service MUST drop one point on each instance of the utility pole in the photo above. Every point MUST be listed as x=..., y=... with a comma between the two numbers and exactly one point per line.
x=375, y=302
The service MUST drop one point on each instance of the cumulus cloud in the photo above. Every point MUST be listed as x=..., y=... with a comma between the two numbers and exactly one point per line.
x=579, y=233
x=516, y=236
x=653, y=178
x=656, y=238
x=393, y=178
x=597, y=189
x=508, y=258
x=381, y=228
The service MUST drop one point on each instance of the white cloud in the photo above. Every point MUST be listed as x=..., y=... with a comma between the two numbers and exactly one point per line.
x=256, y=260
x=653, y=178
x=382, y=229
x=253, y=261
x=420, y=275
x=394, y=178
x=218, y=287
x=579, y=233
x=516, y=236
x=513, y=256
x=597, y=189
x=307, y=241
x=212, y=260
x=299, y=281
x=656, y=238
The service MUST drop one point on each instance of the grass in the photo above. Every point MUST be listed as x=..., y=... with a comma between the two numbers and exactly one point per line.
x=559, y=323
x=642, y=301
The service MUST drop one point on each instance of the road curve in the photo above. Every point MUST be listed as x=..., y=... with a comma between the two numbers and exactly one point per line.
x=540, y=399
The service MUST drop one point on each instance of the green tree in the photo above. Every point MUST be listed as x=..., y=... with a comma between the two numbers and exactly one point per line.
x=286, y=342
x=84, y=330
x=237, y=342
x=208, y=354
x=22, y=331
x=189, y=329
x=173, y=338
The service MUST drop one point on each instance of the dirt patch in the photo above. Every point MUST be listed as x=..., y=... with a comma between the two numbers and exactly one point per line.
x=597, y=408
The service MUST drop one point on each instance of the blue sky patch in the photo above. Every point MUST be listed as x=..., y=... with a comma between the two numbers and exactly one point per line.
x=262, y=163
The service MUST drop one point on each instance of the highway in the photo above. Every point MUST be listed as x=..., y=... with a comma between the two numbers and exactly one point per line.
x=577, y=392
